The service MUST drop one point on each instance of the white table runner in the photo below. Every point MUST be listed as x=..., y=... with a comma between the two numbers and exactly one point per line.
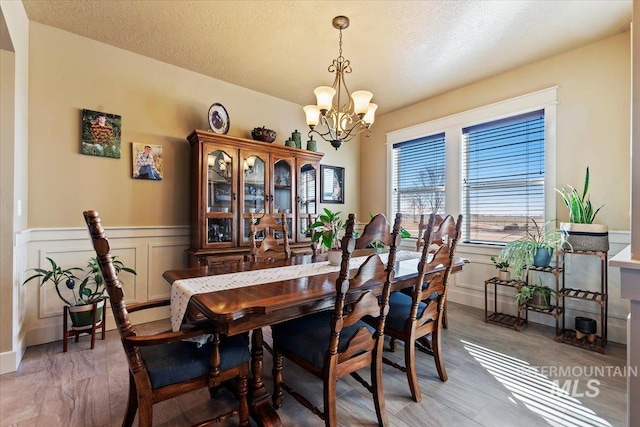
x=182, y=290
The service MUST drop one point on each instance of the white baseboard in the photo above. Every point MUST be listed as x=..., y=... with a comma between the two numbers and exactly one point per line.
x=10, y=360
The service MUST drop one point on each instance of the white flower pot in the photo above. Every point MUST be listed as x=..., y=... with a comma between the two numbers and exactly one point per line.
x=504, y=276
x=335, y=257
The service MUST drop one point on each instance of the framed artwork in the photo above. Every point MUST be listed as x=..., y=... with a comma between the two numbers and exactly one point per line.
x=101, y=134
x=147, y=161
x=331, y=184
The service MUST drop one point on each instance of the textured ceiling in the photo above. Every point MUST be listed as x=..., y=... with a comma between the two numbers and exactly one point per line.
x=402, y=51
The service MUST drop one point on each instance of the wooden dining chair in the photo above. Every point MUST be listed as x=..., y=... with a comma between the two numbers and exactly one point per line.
x=269, y=247
x=416, y=319
x=165, y=365
x=422, y=226
x=336, y=343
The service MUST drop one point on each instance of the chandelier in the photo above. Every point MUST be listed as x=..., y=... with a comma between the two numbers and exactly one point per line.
x=334, y=122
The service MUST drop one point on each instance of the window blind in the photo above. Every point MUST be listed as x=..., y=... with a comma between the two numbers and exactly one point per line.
x=503, y=178
x=418, y=179
x=307, y=189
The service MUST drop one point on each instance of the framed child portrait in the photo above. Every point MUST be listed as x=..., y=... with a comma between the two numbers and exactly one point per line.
x=147, y=161
x=101, y=134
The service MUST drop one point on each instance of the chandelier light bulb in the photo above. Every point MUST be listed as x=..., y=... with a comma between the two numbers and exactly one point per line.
x=361, y=99
x=370, y=117
x=312, y=113
x=324, y=95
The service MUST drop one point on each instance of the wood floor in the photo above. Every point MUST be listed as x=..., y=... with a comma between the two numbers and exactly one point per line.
x=497, y=377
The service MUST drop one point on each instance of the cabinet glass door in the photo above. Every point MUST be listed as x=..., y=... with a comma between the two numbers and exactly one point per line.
x=220, y=197
x=254, y=185
x=254, y=178
x=307, y=199
x=219, y=181
x=283, y=185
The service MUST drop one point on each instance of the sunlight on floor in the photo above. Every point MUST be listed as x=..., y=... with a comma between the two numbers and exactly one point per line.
x=534, y=390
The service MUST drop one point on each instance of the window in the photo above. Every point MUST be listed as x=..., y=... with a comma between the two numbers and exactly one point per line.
x=418, y=179
x=503, y=175
x=498, y=162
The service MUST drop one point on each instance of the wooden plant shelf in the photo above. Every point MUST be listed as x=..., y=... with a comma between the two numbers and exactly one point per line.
x=559, y=268
x=553, y=310
x=508, y=320
x=568, y=336
x=583, y=295
x=599, y=297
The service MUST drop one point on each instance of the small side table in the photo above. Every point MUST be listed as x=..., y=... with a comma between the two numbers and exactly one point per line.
x=91, y=329
x=510, y=321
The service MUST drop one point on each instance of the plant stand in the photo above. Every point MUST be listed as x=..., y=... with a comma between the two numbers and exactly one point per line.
x=90, y=329
x=515, y=322
x=570, y=336
x=556, y=311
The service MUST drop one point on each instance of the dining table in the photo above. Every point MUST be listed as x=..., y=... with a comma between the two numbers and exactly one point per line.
x=242, y=297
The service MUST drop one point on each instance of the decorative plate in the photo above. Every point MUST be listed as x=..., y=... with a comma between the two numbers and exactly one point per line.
x=218, y=119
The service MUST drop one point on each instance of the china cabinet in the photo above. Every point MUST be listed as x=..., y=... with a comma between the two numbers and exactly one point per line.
x=232, y=178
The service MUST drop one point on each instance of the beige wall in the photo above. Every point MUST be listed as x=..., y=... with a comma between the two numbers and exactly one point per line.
x=159, y=104
x=13, y=162
x=7, y=92
x=592, y=127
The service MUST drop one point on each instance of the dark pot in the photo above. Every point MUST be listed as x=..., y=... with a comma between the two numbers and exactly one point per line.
x=542, y=257
x=81, y=315
x=539, y=301
x=585, y=325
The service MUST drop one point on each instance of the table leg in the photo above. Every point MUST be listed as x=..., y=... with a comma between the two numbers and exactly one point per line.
x=261, y=409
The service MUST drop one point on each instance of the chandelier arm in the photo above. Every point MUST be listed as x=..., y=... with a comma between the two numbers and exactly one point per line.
x=331, y=130
x=348, y=135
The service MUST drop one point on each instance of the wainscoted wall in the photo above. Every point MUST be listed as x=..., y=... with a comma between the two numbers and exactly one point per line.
x=148, y=250
x=581, y=272
x=153, y=250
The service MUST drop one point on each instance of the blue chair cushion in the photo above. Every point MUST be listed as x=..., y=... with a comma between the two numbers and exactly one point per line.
x=308, y=337
x=409, y=290
x=184, y=360
x=399, y=309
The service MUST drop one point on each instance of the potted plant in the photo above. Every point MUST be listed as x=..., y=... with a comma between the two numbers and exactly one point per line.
x=378, y=245
x=503, y=268
x=89, y=290
x=536, y=296
x=535, y=248
x=580, y=233
x=327, y=230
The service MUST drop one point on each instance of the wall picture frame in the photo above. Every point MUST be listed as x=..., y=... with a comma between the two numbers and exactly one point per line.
x=331, y=184
x=101, y=134
x=148, y=162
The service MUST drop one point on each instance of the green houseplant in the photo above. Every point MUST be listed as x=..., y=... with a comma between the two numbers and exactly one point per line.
x=537, y=296
x=581, y=233
x=90, y=287
x=378, y=245
x=535, y=248
x=502, y=265
x=327, y=231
